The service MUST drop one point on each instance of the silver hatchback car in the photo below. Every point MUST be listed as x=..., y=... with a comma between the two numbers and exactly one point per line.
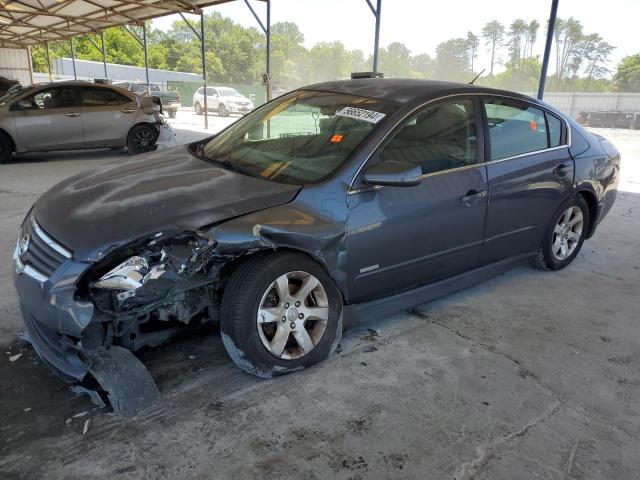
x=75, y=115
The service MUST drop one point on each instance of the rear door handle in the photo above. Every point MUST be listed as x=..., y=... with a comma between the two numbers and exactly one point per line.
x=473, y=197
x=74, y=114
x=562, y=169
x=128, y=110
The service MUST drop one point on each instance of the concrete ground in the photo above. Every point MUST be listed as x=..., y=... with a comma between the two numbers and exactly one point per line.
x=531, y=375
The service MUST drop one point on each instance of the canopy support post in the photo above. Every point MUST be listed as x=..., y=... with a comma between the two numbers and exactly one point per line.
x=547, y=48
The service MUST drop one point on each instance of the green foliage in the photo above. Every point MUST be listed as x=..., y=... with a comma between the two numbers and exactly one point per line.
x=627, y=78
x=235, y=54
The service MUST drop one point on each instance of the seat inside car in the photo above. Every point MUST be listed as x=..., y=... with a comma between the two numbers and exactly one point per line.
x=438, y=139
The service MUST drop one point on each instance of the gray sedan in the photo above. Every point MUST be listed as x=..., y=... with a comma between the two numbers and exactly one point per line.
x=336, y=203
x=75, y=115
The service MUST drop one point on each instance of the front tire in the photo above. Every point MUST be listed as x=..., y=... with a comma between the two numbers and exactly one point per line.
x=142, y=139
x=222, y=111
x=565, y=235
x=280, y=313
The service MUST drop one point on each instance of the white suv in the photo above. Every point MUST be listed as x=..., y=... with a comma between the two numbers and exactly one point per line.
x=224, y=100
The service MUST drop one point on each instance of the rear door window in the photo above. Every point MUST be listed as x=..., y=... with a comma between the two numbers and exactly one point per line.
x=515, y=128
x=102, y=97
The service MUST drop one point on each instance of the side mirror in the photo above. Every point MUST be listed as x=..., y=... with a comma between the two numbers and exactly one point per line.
x=393, y=174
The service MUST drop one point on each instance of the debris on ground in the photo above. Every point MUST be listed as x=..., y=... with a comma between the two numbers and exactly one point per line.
x=85, y=429
x=13, y=358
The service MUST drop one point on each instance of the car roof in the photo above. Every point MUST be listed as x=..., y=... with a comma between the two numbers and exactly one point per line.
x=403, y=91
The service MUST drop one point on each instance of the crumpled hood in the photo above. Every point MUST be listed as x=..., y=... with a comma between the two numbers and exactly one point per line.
x=95, y=211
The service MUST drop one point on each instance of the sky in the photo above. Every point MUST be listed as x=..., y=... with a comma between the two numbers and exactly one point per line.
x=421, y=24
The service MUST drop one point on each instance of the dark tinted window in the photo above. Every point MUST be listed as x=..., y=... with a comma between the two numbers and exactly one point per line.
x=555, y=130
x=514, y=128
x=51, y=98
x=100, y=97
x=439, y=138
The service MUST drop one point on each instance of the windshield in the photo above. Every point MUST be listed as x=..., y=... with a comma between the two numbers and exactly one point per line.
x=229, y=92
x=301, y=138
x=13, y=92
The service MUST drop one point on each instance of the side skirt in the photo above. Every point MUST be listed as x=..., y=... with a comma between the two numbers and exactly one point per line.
x=385, y=306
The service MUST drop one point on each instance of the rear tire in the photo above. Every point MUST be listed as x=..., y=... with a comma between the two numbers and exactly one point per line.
x=565, y=235
x=198, y=108
x=172, y=113
x=254, y=333
x=142, y=139
x=6, y=148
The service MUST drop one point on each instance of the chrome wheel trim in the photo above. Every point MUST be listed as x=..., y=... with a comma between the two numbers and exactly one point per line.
x=292, y=315
x=567, y=233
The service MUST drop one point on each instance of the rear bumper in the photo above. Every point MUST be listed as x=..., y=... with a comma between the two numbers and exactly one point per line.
x=55, y=320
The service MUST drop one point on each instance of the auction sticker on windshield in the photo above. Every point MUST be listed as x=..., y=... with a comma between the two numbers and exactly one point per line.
x=360, y=114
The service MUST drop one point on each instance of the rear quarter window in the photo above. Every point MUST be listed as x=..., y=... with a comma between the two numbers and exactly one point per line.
x=555, y=130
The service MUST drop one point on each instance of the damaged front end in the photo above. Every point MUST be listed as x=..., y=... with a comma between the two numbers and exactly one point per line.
x=143, y=294
x=148, y=291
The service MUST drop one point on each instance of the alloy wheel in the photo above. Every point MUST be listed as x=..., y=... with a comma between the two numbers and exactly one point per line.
x=567, y=233
x=143, y=139
x=292, y=315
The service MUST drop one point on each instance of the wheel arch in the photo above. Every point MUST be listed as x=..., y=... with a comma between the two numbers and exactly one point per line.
x=11, y=140
x=592, y=202
x=231, y=266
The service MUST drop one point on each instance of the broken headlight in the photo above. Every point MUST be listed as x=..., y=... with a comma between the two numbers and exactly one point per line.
x=130, y=275
x=154, y=269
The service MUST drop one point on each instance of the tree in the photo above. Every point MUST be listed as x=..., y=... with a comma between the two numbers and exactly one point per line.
x=567, y=35
x=517, y=34
x=532, y=35
x=472, y=48
x=627, y=77
x=493, y=34
x=452, y=60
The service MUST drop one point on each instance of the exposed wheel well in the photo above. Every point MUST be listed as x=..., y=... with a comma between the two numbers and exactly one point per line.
x=5, y=134
x=231, y=266
x=592, y=202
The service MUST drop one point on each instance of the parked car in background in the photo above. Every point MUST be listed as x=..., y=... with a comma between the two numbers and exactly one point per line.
x=6, y=84
x=223, y=100
x=74, y=115
x=610, y=119
x=338, y=202
x=170, y=100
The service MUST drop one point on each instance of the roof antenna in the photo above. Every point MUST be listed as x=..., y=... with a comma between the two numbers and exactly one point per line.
x=477, y=77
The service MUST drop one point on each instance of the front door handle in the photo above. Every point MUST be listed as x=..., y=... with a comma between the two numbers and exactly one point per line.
x=128, y=110
x=473, y=197
x=74, y=114
x=562, y=169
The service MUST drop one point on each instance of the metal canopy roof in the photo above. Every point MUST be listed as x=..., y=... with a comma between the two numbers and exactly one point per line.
x=30, y=22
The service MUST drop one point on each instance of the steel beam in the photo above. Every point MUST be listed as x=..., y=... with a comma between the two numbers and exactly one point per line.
x=204, y=71
x=267, y=31
x=73, y=59
x=46, y=44
x=104, y=55
x=376, y=45
x=547, y=48
x=146, y=56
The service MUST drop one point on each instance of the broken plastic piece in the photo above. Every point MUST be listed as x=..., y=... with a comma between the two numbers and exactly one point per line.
x=127, y=383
